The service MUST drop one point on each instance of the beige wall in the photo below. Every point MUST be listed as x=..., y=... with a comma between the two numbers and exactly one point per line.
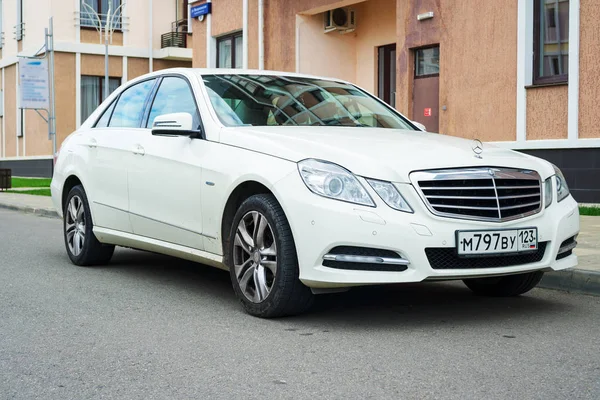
x=164, y=64
x=547, y=116
x=94, y=65
x=136, y=67
x=65, y=94
x=324, y=54
x=589, y=66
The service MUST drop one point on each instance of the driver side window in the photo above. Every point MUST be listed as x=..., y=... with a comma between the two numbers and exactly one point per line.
x=174, y=96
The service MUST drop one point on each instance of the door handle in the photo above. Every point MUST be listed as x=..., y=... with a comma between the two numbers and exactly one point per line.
x=137, y=149
x=92, y=144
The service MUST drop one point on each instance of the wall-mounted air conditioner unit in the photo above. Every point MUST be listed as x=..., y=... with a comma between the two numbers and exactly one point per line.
x=341, y=19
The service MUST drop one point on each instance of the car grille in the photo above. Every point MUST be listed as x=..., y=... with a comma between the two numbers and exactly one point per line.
x=485, y=194
x=446, y=258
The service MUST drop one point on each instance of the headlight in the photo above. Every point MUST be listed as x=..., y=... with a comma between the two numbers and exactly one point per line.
x=331, y=180
x=548, y=192
x=562, y=190
x=390, y=195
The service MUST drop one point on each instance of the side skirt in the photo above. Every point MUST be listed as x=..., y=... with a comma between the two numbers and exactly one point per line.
x=118, y=238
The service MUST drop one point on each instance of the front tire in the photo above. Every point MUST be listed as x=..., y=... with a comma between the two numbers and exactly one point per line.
x=262, y=260
x=504, y=286
x=82, y=246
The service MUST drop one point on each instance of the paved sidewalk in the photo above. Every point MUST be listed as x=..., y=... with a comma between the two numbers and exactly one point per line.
x=585, y=278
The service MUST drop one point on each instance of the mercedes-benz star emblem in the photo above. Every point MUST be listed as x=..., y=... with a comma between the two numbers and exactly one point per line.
x=477, y=148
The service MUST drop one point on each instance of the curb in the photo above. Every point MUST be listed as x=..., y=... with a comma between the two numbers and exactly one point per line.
x=43, y=212
x=573, y=281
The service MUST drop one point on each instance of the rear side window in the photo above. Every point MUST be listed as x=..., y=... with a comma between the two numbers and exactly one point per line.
x=173, y=96
x=128, y=112
x=103, y=121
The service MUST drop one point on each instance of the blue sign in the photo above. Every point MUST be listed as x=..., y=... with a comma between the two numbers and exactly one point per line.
x=202, y=9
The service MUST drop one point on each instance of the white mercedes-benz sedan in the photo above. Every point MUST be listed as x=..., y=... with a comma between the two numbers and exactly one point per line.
x=300, y=185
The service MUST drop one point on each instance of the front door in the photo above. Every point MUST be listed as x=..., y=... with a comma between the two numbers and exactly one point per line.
x=386, y=73
x=165, y=179
x=426, y=88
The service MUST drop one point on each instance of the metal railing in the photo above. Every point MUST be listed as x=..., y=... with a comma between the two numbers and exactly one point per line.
x=173, y=39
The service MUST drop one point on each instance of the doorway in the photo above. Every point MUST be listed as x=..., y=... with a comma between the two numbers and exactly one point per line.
x=386, y=73
x=426, y=88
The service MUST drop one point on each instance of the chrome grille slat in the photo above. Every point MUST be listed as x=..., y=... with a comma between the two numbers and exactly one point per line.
x=485, y=194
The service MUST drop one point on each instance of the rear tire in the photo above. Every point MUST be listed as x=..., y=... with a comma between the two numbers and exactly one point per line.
x=82, y=246
x=504, y=286
x=262, y=260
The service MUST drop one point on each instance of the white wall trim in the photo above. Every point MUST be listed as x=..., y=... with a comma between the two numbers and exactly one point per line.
x=244, y=34
x=77, y=90
x=77, y=11
x=524, y=64
x=3, y=153
x=124, y=77
x=26, y=158
x=297, y=44
x=574, y=11
x=550, y=144
x=211, y=43
x=18, y=103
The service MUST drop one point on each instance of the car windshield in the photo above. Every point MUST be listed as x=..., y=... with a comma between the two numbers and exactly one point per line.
x=263, y=100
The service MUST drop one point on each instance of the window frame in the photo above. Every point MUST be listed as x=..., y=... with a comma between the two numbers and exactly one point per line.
x=231, y=36
x=537, y=26
x=415, y=51
x=152, y=98
x=115, y=101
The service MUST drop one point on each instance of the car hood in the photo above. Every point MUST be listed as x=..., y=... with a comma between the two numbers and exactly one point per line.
x=386, y=154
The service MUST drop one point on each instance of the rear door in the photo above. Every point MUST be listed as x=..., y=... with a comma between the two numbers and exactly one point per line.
x=165, y=181
x=111, y=145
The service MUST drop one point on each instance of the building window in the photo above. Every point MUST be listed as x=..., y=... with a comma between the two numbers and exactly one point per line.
x=92, y=91
x=427, y=62
x=89, y=9
x=229, y=51
x=551, y=41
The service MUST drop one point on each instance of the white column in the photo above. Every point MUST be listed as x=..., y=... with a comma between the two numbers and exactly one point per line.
x=18, y=122
x=124, y=77
x=210, y=43
x=573, y=96
x=77, y=90
x=150, y=41
x=261, y=34
x=3, y=154
x=78, y=16
x=244, y=34
x=524, y=64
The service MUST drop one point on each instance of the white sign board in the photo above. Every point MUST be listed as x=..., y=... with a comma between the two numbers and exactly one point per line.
x=34, y=83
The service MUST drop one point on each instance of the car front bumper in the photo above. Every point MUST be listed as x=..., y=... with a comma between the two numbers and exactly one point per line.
x=319, y=224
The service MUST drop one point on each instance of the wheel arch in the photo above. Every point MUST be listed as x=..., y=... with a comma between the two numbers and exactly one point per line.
x=71, y=181
x=242, y=191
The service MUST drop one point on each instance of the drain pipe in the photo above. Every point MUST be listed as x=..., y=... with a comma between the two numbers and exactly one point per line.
x=150, y=41
x=244, y=35
x=261, y=34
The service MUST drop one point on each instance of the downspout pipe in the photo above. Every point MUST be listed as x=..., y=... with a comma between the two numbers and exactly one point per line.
x=244, y=35
x=261, y=34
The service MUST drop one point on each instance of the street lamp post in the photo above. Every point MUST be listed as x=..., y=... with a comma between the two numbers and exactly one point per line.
x=106, y=31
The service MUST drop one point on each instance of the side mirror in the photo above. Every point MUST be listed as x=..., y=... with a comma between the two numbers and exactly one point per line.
x=176, y=124
x=419, y=125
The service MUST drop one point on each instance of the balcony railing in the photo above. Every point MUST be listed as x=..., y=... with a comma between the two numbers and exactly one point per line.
x=177, y=37
x=173, y=39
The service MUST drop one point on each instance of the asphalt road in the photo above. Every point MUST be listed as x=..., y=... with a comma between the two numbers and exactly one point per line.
x=153, y=327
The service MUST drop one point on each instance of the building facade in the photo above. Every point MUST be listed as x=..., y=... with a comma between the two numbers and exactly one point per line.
x=521, y=74
x=149, y=35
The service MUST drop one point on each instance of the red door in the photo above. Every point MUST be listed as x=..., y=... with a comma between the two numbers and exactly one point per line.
x=426, y=88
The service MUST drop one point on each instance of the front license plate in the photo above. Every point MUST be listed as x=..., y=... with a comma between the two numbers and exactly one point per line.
x=496, y=242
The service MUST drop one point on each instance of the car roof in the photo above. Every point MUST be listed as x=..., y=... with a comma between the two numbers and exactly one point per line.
x=237, y=71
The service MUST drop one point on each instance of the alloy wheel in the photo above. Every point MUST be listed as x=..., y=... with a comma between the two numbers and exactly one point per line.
x=255, y=256
x=75, y=225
